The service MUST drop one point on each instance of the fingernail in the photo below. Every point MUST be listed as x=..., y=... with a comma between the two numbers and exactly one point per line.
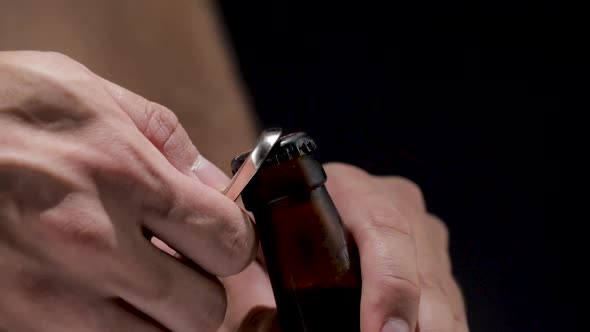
x=210, y=174
x=395, y=325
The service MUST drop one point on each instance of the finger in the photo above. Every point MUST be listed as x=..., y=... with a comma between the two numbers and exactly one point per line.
x=190, y=217
x=44, y=302
x=158, y=124
x=390, y=293
x=207, y=228
x=261, y=319
x=115, y=315
x=162, y=128
x=199, y=223
x=461, y=324
x=251, y=305
x=461, y=327
x=167, y=290
x=437, y=310
x=441, y=306
x=439, y=238
x=250, y=301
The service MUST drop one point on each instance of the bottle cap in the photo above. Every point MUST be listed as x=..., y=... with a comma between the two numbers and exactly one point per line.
x=288, y=147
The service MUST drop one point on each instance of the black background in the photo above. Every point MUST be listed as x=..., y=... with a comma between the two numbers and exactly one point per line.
x=473, y=100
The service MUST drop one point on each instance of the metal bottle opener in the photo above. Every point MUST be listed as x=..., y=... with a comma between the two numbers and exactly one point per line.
x=266, y=142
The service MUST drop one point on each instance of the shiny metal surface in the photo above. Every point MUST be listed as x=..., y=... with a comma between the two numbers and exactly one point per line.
x=252, y=163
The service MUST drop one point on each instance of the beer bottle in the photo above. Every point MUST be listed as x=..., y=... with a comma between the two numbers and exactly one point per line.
x=312, y=260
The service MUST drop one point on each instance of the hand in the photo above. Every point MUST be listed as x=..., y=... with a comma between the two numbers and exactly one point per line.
x=88, y=172
x=407, y=279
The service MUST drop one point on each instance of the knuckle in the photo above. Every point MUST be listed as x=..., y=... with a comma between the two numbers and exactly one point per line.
x=397, y=272
x=77, y=228
x=408, y=189
x=51, y=97
x=398, y=284
x=208, y=309
x=384, y=218
x=439, y=229
x=160, y=125
x=340, y=169
x=431, y=282
x=55, y=56
x=436, y=313
x=62, y=68
x=49, y=94
x=65, y=102
x=458, y=301
x=34, y=284
x=159, y=289
x=237, y=243
x=61, y=60
x=214, y=315
x=155, y=286
x=340, y=166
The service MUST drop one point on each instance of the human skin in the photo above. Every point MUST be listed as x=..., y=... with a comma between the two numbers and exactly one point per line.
x=408, y=284
x=174, y=53
x=132, y=170
x=183, y=63
x=87, y=169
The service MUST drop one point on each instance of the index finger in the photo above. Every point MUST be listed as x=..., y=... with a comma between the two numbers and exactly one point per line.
x=198, y=222
x=390, y=291
x=162, y=128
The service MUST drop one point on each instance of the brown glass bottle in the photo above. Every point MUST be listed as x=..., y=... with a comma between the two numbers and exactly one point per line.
x=311, y=259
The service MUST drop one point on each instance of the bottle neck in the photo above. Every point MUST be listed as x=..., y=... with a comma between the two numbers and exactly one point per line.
x=297, y=176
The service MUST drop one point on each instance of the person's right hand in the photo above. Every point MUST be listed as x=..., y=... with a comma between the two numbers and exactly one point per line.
x=88, y=170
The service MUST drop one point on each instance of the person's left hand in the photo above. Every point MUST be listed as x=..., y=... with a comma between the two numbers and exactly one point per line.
x=408, y=283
